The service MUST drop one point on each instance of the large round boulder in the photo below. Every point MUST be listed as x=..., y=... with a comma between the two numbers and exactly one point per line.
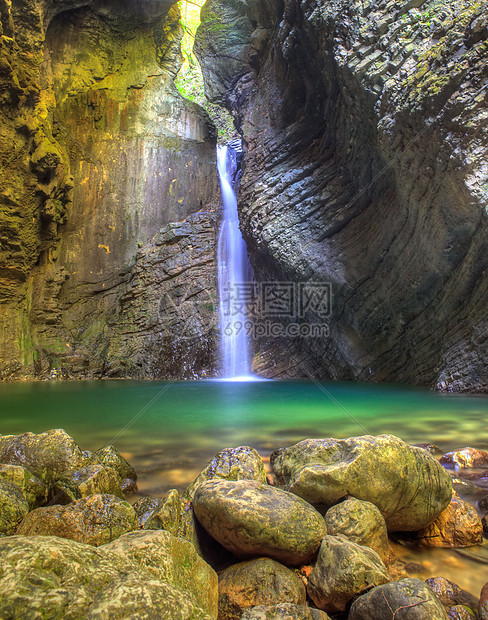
x=362, y=523
x=415, y=600
x=342, y=571
x=407, y=484
x=251, y=519
x=141, y=575
x=95, y=520
x=257, y=582
x=459, y=525
x=46, y=455
x=13, y=507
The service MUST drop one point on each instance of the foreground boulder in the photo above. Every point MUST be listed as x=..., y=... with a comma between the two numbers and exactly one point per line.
x=483, y=603
x=415, y=599
x=32, y=488
x=362, y=523
x=284, y=611
x=75, y=484
x=257, y=582
x=241, y=463
x=142, y=575
x=95, y=520
x=250, y=518
x=452, y=596
x=342, y=571
x=13, y=507
x=159, y=514
x=457, y=526
x=407, y=484
x=46, y=455
x=111, y=457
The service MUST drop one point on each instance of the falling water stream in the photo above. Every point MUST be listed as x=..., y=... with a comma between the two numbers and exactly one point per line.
x=233, y=273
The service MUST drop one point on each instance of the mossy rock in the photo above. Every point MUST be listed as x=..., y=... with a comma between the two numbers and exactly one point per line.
x=250, y=518
x=384, y=601
x=95, y=520
x=407, y=484
x=141, y=575
x=160, y=514
x=355, y=569
x=32, y=488
x=109, y=456
x=47, y=455
x=257, y=582
x=13, y=507
x=284, y=611
x=85, y=481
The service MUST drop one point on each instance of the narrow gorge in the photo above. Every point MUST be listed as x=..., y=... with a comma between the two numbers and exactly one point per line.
x=365, y=150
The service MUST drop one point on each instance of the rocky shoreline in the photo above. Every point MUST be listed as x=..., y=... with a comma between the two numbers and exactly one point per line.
x=311, y=539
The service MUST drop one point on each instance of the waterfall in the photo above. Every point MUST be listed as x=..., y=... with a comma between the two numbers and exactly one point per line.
x=233, y=273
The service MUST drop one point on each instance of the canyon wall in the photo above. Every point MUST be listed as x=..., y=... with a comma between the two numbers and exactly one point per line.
x=109, y=196
x=365, y=126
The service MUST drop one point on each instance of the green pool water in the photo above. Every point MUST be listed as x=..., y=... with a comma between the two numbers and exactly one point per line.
x=166, y=427
x=169, y=431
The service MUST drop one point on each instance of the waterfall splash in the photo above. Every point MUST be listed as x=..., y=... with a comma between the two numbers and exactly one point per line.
x=233, y=272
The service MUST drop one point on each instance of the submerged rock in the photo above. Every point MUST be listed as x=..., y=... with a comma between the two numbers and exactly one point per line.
x=342, y=571
x=13, y=507
x=467, y=457
x=250, y=518
x=362, y=523
x=85, y=481
x=111, y=457
x=450, y=594
x=417, y=600
x=284, y=611
x=47, y=455
x=95, y=520
x=407, y=484
x=242, y=463
x=457, y=526
x=144, y=575
x=32, y=488
x=257, y=582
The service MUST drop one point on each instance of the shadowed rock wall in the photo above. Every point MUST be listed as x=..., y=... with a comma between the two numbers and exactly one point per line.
x=365, y=126
x=99, y=155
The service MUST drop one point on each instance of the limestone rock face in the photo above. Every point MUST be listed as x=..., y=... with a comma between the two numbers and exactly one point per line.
x=342, y=571
x=382, y=602
x=459, y=525
x=250, y=518
x=144, y=574
x=362, y=523
x=365, y=168
x=108, y=155
x=406, y=484
x=95, y=520
x=257, y=582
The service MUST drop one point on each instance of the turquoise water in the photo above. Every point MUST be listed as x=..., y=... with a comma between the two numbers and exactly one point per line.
x=164, y=426
x=169, y=431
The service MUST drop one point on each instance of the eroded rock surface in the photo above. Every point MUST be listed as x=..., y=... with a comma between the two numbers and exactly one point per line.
x=365, y=168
